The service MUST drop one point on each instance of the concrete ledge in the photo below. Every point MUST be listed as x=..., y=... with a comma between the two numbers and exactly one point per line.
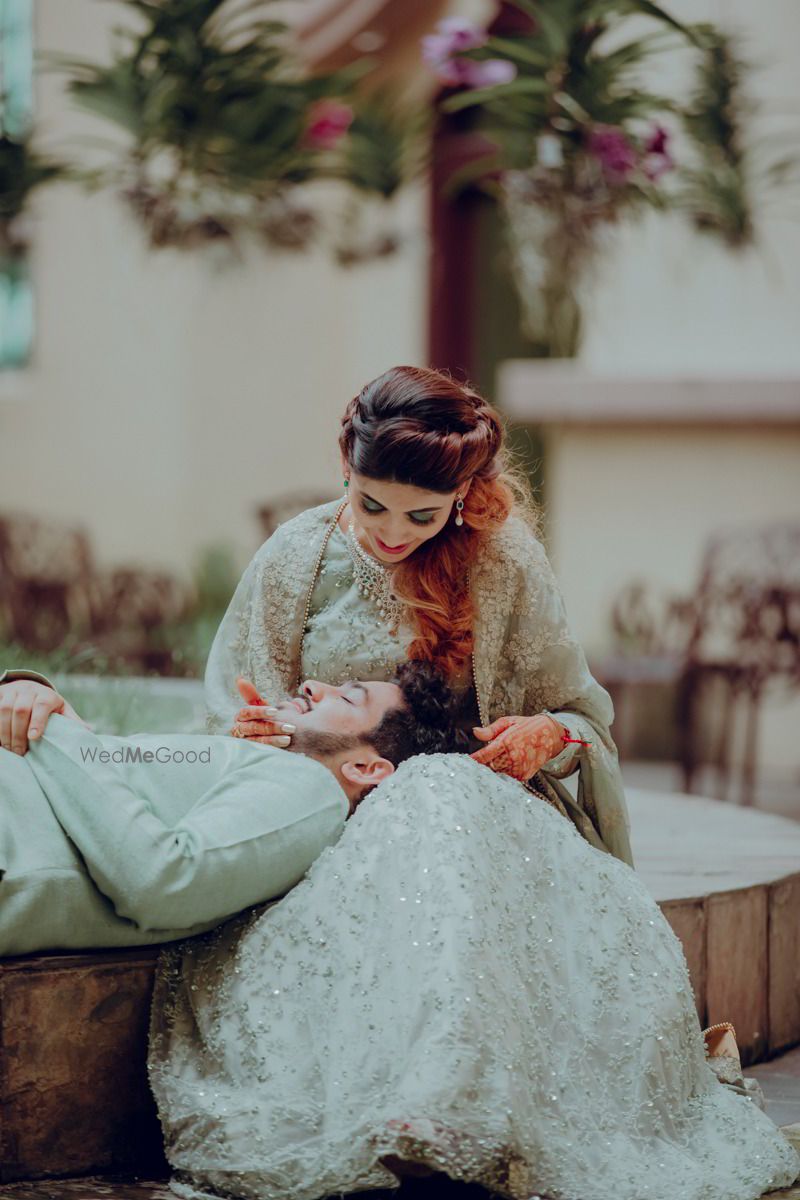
x=564, y=393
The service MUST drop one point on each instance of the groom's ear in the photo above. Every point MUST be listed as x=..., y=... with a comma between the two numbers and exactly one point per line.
x=366, y=771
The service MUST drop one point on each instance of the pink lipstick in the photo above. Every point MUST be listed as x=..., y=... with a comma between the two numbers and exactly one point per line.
x=391, y=549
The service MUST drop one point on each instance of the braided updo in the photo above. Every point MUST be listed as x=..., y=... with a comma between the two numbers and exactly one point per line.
x=419, y=427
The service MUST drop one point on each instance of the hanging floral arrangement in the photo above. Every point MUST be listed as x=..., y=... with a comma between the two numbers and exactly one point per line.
x=22, y=171
x=223, y=130
x=574, y=140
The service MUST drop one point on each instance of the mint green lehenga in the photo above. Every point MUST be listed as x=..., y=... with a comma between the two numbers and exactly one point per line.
x=464, y=980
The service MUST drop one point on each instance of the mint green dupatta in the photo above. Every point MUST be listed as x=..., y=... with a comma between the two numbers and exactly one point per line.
x=526, y=659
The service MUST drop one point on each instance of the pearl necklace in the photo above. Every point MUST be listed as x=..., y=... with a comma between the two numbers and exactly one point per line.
x=373, y=581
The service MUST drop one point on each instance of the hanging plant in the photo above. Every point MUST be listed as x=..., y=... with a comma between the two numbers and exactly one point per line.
x=733, y=170
x=22, y=171
x=386, y=147
x=224, y=131
x=575, y=141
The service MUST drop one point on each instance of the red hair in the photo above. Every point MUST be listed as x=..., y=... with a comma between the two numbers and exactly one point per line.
x=417, y=426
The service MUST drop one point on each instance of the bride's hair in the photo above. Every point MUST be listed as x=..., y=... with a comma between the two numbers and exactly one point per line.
x=416, y=426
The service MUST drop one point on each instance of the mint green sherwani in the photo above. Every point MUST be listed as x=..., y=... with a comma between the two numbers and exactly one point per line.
x=95, y=851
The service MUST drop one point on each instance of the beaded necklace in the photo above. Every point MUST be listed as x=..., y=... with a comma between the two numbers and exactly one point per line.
x=373, y=580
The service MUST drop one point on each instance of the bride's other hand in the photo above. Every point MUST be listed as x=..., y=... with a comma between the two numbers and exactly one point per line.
x=258, y=721
x=519, y=746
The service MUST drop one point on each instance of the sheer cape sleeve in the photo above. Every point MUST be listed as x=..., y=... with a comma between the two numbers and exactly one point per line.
x=528, y=661
x=259, y=637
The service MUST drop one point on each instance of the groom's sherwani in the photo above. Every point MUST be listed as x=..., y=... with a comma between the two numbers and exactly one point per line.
x=122, y=841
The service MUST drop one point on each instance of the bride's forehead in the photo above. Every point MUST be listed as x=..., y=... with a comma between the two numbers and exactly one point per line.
x=404, y=496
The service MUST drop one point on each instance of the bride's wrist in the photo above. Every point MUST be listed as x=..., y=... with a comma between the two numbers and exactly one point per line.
x=560, y=734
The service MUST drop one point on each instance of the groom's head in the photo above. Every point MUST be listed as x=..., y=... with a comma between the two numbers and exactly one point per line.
x=363, y=731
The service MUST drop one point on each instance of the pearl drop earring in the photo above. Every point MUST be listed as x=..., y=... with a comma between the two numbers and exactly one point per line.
x=459, y=508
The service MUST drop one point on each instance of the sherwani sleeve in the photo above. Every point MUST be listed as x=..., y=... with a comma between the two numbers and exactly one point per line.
x=250, y=838
x=13, y=674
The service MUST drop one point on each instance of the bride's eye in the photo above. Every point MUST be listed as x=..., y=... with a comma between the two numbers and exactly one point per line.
x=421, y=519
x=370, y=506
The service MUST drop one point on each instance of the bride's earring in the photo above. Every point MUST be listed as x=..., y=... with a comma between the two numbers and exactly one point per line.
x=347, y=481
x=459, y=509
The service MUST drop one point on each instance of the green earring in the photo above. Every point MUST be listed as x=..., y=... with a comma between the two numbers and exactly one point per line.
x=347, y=482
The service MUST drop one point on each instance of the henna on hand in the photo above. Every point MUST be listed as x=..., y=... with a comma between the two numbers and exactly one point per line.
x=520, y=746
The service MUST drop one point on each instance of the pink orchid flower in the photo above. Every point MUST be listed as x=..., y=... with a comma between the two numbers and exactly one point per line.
x=328, y=122
x=453, y=35
x=613, y=150
x=657, y=157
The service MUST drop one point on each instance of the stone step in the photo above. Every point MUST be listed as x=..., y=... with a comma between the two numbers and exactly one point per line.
x=728, y=880
x=74, y=1097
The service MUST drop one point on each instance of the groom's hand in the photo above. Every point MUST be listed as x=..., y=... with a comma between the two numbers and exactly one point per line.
x=259, y=721
x=25, y=708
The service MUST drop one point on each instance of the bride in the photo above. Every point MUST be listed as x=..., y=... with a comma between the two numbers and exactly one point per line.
x=463, y=983
x=432, y=554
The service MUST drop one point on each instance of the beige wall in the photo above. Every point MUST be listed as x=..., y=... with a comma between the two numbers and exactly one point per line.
x=639, y=504
x=634, y=503
x=170, y=394
x=667, y=300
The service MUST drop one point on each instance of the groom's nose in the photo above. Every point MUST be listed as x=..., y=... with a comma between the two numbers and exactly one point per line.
x=314, y=690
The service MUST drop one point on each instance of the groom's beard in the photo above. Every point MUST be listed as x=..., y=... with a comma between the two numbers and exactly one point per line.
x=317, y=744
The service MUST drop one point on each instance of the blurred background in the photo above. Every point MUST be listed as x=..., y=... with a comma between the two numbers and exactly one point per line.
x=219, y=220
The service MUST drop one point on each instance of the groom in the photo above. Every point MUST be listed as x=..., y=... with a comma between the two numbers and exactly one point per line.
x=122, y=841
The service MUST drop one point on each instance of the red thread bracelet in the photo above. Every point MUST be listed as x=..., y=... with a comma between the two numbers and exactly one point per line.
x=577, y=741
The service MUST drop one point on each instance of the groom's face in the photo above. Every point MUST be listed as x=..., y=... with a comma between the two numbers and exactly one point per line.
x=348, y=710
x=330, y=723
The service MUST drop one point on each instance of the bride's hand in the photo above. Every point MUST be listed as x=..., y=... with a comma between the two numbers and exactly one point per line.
x=257, y=721
x=519, y=746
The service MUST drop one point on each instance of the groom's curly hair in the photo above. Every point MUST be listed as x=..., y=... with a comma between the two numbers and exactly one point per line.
x=427, y=720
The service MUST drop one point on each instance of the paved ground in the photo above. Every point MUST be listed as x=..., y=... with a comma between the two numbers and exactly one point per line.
x=780, y=1080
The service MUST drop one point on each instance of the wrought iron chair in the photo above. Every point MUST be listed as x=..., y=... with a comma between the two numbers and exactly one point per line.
x=51, y=591
x=745, y=636
x=723, y=648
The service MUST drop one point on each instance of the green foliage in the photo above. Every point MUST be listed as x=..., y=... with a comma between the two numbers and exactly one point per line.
x=385, y=146
x=718, y=190
x=214, y=579
x=73, y=657
x=217, y=115
x=22, y=171
x=187, y=84
x=581, y=142
x=571, y=75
